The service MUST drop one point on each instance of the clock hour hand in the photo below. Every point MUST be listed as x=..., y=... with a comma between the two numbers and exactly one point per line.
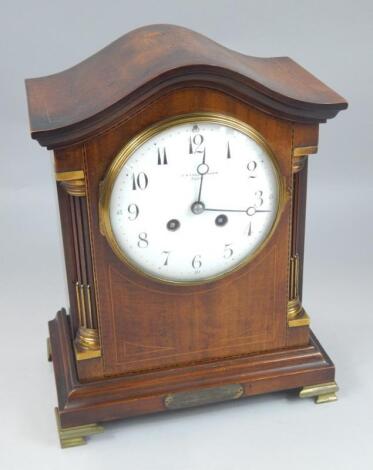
x=198, y=206
x=202, y=169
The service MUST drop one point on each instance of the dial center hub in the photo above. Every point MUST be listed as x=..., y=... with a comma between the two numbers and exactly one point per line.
x=197, y=207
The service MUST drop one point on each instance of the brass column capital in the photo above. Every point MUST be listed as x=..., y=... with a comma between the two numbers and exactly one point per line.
x=73, y=182
x=300, y=155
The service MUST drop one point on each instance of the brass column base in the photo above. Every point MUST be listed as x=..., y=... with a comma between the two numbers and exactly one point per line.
x=87, y=344
x=323, y=393
x=75, y=436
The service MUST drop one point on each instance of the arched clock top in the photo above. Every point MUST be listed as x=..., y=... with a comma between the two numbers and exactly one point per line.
x=73, y=105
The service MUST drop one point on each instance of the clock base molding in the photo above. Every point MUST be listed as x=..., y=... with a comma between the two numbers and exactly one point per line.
x=82, y=403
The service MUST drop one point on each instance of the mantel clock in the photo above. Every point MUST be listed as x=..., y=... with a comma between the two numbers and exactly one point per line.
x=181, y=171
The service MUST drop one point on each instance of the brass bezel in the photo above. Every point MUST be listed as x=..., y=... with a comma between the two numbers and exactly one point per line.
x=126, y=152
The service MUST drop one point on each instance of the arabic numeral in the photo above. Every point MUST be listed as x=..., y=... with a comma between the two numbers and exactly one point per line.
x=250, y=230
x=195, y=144
x=167, y=256
x=228, y=151
x=197, y=263
x=133, y=211
x=140, y=181
x=259, y=196
x=228, y=251
x=251, y=166
x=143, y=241
x=162, y=156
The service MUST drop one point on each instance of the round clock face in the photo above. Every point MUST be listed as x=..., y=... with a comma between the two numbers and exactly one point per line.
x=191, y=200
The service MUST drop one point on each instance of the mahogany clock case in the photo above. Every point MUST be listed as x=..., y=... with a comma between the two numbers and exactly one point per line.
x=129, y=342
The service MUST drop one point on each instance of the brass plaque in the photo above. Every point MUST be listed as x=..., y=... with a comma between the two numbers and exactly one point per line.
x=175, y=401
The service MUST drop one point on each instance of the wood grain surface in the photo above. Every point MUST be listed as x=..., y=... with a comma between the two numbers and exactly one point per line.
x=154, y=338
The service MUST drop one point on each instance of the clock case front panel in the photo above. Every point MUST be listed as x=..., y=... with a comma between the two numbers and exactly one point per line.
x=146, y=325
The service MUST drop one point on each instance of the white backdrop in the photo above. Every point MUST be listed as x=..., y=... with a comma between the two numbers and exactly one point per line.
x=332, y=39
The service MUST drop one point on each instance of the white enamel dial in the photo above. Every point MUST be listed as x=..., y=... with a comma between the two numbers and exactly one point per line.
x=194, y=201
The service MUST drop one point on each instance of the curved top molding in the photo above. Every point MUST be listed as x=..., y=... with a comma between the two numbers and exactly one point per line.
x=70, y=106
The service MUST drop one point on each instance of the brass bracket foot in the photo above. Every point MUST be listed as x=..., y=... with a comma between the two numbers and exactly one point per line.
x=49, y=350
x=75, y=436
x=323, y=393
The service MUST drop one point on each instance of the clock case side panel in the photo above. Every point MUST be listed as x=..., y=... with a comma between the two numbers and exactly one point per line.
x=72, y=190
x=305, y=141
x=121, y=290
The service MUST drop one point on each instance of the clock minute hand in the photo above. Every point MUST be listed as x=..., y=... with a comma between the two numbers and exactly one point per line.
x=225, y=210
x=249, y=211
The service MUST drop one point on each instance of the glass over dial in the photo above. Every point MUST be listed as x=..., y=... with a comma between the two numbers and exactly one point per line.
x=192, y=200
